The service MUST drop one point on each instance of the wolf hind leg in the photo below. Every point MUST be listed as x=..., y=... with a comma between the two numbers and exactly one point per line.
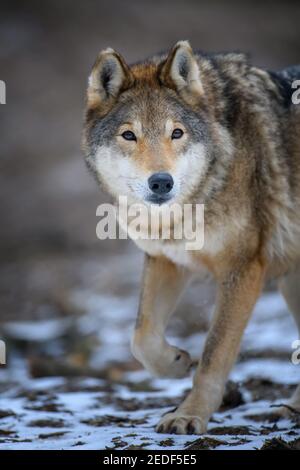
x=294, y=401
x=290, y=289
x=289, y=286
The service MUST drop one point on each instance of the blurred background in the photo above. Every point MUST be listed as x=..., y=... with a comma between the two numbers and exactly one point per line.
x=52, y=265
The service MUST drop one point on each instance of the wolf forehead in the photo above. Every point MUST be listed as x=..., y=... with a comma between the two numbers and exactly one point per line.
x=150, y=93
x=151, y=109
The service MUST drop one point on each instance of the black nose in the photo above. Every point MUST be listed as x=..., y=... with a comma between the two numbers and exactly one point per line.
x=161, y=183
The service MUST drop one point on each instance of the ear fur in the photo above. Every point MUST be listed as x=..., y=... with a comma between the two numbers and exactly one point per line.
x=181, y=72
x=109, y=77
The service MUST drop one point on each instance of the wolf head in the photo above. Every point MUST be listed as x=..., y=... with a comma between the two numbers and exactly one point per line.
x=149, y=129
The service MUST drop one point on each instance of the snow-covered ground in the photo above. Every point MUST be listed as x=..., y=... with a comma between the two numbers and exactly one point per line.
x=121, y=410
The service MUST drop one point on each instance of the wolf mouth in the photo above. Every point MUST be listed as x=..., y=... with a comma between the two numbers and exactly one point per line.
x=158, y=199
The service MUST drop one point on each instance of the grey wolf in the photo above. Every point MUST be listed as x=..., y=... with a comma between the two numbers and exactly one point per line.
x=188, y=127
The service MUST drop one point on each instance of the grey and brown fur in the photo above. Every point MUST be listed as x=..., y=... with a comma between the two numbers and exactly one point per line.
x=240, y=156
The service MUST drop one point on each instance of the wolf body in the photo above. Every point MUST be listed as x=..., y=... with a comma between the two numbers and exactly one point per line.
x=187, y=128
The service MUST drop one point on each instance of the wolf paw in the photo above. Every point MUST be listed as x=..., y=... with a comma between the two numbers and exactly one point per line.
x=174, y=363
x=162, y=359
x=179, y=423
x=181, y=364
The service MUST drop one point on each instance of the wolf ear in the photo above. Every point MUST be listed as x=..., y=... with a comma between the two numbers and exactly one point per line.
x=110, y=76
x=181, y=72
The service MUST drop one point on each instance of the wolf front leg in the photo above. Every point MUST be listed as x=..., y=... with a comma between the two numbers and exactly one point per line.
x=236, y=297
x=163, y=282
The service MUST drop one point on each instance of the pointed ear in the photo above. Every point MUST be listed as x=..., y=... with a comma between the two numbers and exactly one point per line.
x=181, y=72
x=110, y=76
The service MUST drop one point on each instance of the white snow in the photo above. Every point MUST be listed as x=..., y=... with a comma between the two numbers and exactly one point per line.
x=270, y=328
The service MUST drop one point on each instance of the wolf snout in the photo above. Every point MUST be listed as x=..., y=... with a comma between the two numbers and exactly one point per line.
x=160, y=183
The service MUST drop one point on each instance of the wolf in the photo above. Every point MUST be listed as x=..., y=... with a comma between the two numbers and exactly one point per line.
x=212, y=129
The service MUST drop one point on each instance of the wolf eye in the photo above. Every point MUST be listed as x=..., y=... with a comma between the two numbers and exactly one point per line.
x=128, y=135
x=177, y=134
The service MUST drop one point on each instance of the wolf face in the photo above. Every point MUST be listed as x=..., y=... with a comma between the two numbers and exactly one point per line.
x=148, y=133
